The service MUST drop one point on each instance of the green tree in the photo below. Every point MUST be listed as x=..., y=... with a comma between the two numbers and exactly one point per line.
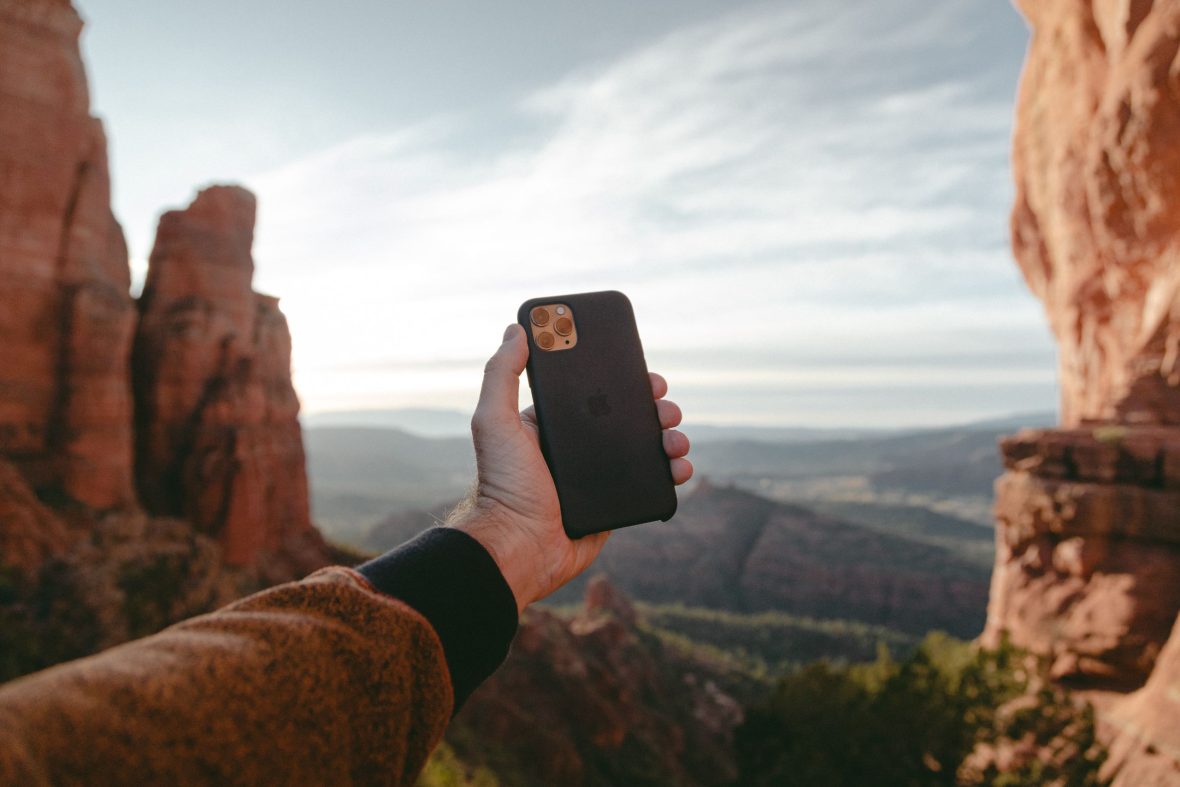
x=913, y=722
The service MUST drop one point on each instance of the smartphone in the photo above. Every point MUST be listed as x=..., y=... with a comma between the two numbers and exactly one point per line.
x=600, y=433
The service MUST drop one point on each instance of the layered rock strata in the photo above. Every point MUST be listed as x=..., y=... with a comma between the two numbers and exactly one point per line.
x=1088, y=550
x=1088, y=540
x=219, y=440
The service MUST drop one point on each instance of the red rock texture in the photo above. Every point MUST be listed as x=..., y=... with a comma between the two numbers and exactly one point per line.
x=1088, y=537
x=1145, y=746
x=595, y=700
x=1088, y=550
x=30, y=533
x=66, y=323
x=219, y=441
x=1096, y=227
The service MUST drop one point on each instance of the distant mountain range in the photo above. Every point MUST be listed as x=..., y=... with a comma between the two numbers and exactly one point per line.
x=858, y=527
x=419, y=421
x=733, y=550
x=439, y=422
x=360, y=475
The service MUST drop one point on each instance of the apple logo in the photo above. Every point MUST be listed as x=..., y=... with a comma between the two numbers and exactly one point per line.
x=598, y=405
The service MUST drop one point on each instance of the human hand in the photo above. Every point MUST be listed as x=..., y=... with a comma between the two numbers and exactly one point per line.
x=514, y=512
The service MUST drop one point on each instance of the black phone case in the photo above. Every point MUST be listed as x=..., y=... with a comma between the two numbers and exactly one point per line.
x=610, y=469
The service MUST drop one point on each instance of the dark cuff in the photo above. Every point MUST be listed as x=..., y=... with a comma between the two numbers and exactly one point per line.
x=449, y=578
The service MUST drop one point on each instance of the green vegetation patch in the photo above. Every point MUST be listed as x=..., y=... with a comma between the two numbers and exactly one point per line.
x=774, y=642
x=918, y=722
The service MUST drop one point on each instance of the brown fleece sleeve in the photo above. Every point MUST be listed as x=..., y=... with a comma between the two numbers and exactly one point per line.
x=323, y=681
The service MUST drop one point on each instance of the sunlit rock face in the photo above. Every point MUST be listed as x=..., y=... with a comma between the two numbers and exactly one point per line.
x=1096, y=225
x=219, y=443
x=67, y=318
x=1088, y=516
x=1088, y=550
x=1144, y=728
x=216, y=414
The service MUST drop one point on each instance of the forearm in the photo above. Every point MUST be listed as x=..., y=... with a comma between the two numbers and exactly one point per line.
x=453, y=579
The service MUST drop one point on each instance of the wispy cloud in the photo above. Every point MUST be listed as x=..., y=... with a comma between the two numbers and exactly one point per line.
x=826, y=180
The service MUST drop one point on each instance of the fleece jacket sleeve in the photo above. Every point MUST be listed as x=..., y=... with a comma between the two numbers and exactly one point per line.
x=323, y=681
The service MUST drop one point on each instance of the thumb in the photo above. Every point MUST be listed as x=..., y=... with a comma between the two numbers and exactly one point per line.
x=499, y=397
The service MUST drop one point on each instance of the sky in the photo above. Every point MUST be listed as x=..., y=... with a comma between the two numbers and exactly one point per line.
x=806, y=201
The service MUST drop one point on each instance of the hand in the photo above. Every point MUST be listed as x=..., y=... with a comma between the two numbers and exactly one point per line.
x=514, y=512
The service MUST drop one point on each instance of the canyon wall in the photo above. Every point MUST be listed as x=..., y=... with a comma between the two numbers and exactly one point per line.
x=1088, y=515
x=67, y=317
x=211, y=425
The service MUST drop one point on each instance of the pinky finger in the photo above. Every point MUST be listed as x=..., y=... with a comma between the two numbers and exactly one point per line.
x=681, y=470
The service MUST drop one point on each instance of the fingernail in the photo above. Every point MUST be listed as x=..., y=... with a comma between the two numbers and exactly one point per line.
x=508, y=331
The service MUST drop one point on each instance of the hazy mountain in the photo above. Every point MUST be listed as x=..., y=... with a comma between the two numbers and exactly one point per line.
x=729, y=549
x=362, y=475
x=440, y=422
x=733, y=550
x=420, y=421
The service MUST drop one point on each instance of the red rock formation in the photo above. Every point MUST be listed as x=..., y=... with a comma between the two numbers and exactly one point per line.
x=30, y=533
x=603, y=598
x=1088, y=540
x=65, y=328
x=219, y=440
x=1145, y=749
x=595, y=700
x=217, y=413
x=1096, y=228
x=1088, y=550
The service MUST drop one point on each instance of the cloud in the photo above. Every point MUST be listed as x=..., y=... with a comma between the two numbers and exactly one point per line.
x=826, y=179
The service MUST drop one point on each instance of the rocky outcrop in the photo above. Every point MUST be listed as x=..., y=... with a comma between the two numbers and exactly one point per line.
x=30, y=533
x=219, y=441
x=596, y=700
x=66, y=323
x=1088, y=550
x=82, y=565
x=1088, y=538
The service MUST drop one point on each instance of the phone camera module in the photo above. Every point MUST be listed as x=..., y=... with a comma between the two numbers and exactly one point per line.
x=564, y=326
x=540, y=316
x=545, y=340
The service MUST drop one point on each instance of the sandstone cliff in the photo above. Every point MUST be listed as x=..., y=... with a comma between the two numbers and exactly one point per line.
x=1088, y=537
x=66, y=323
x=82, y=564
x=217, y=426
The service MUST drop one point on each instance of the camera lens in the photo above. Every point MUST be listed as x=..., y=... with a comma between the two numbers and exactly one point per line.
x=540, y=316
x=545, y=340
x=564, y=326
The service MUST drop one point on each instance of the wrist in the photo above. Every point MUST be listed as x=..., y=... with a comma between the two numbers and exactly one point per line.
x=509, y=545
